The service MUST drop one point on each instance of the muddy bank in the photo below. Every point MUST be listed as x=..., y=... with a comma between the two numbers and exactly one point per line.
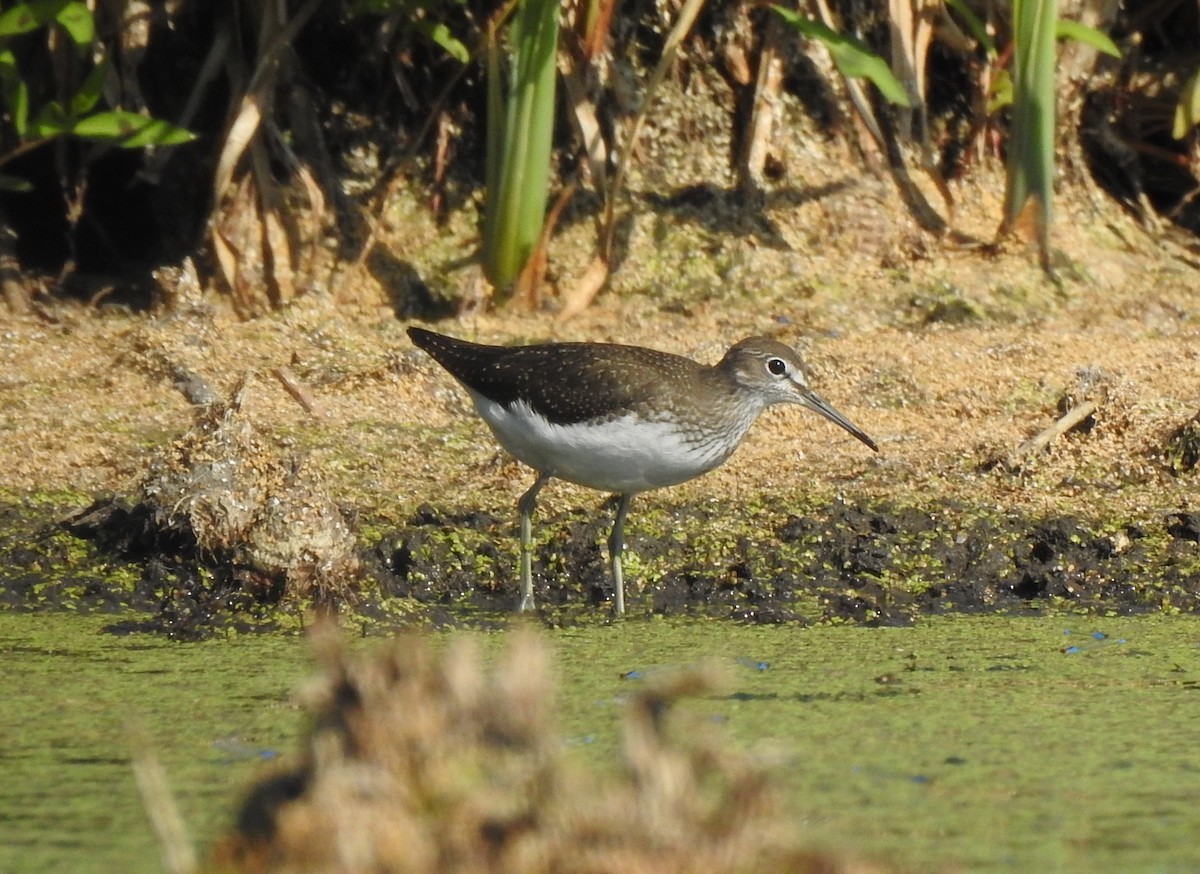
x=868, y=563
x=860, y=562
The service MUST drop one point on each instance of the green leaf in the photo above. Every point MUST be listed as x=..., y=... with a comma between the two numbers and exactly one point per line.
x=1030, y=156
x=72, y=15
x=14, y=183
x=88, y=95
x=441, y=35
x=524, y=131
x=130, y=130
x=1098, y=40
x=1000, y=93
x=76, y=20
x=852, y=57
x=16, y=92
x=978, y=28
x=1187, y=110
x=51, y=121
x=22, y=18
x=17, y=97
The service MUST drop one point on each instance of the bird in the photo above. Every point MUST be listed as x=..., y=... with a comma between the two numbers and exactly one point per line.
x=620, y=419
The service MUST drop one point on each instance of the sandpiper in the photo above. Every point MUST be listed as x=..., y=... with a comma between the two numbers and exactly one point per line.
x=621, y=419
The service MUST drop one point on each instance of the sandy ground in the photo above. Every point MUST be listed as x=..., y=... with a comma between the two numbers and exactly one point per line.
x=948, y=357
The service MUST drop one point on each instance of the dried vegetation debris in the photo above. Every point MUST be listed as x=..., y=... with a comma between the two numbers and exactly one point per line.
x=223, y=496
x=1077, y=408
x=418, y=762
x=242, y=499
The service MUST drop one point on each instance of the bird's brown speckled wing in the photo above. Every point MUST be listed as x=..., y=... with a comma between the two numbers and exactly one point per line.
x=565, y=382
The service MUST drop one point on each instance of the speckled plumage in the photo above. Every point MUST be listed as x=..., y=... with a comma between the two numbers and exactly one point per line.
x=622, y=419
x=608, y=379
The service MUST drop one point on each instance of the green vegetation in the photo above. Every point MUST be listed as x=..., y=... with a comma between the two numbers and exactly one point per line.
x=78, y=115
x=1032, y=91
x=852, y=57
x=312, y=119
x=520, y=127
x=1031, y=145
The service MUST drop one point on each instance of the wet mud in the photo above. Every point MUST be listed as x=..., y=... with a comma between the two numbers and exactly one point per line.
x=865, y=563
x=861, y=563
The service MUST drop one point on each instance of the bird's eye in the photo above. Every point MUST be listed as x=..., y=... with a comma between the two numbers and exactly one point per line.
x=777, y=366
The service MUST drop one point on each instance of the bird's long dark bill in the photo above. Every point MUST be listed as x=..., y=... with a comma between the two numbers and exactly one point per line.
x=818, y=404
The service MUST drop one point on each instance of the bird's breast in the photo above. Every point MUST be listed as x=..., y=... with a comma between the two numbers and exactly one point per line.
x=622, y=454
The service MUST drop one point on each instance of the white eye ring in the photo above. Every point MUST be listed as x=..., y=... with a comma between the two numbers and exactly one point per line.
x=776, y=366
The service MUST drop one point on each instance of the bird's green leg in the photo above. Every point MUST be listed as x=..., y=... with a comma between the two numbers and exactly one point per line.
x=616, y=545
x=525, y=507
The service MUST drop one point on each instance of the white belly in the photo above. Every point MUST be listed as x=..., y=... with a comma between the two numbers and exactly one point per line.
x=623, y=456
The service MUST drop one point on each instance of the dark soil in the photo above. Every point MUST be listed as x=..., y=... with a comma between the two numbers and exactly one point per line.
x=860, y=562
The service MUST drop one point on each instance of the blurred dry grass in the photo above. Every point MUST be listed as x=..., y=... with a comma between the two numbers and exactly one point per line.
x=419, y=762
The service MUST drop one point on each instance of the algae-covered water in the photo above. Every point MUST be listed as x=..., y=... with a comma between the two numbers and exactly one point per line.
x=977, y=743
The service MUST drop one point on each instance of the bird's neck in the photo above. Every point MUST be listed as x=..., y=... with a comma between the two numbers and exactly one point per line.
x=726, y=408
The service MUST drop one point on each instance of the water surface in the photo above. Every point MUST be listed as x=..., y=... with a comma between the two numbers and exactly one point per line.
x=987, y=743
